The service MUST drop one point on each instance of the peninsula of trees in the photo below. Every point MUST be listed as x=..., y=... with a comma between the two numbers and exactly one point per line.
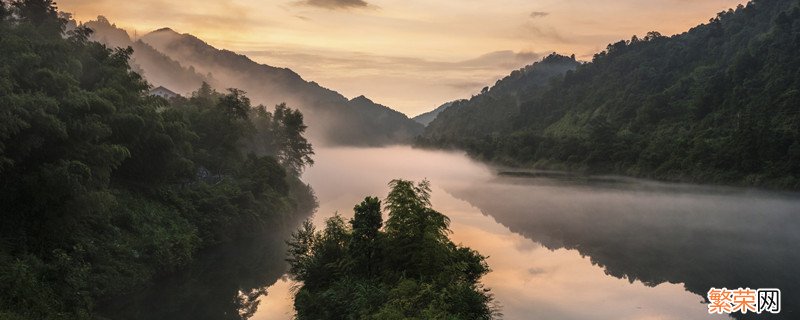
x=104, y=187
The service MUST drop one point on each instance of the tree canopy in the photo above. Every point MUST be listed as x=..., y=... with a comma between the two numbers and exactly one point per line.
x=718, y=103
x=104, y=187
x=408, y=269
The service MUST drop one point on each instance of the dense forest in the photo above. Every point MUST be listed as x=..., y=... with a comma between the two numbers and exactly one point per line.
x=407, y=269
x=178, y=61
x=493, y=111
x=719, y=103
x=103, y=187
x=155, y=67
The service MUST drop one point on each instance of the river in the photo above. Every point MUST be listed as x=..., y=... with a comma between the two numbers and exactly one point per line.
x=564, y=247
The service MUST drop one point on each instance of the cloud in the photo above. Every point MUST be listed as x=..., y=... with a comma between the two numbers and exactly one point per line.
x=335, y=4
x=503, y=61
x=467, y=85
x=539, y=14
x=536, y=271
x=534, y=31
x=204, y=17
x=410, y=84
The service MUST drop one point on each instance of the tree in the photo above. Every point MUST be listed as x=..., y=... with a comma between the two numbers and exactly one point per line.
x=294, y=151
x=366, y=224
x=234, y=104
x=37, y=12
x=410, y=212
x=104, y=188
x=405, y=271
x=3, y=10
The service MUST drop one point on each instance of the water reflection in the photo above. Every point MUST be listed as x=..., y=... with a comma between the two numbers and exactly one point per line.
x=560, y=247
x=657, y=233
x=224, y=283
x=565, y=248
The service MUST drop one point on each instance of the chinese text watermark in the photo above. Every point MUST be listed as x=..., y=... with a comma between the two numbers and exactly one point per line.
x=744, y=300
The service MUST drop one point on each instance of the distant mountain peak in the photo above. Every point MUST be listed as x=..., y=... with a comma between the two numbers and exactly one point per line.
x=165, y=29
x=361, y=98
x=331, y=117
x=427, y=117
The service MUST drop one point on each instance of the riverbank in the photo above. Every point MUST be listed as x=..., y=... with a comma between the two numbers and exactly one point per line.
x=719, y=177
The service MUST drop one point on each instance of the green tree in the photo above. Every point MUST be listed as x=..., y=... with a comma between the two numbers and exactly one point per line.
x=364, y=246
x=294, y=151
x=419, y=234
x=103, y=187
x=407, y=270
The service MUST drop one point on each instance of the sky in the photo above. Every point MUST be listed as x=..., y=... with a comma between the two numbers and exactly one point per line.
x=411, y=55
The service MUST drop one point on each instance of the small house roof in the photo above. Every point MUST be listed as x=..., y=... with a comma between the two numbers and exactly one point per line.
x=161, y=88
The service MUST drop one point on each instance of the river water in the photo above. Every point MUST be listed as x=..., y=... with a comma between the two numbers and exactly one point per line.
x=564, y=247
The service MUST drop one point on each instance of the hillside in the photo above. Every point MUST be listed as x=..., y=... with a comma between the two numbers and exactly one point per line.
x=105, y=189
x=427, y=117
x=157, y=68
x=332, y=118
x=719, y=103
x=493, y=111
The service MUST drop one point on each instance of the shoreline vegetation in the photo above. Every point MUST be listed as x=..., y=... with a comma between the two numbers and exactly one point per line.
x=716, y=104
x=556, y=170
x=105, y=189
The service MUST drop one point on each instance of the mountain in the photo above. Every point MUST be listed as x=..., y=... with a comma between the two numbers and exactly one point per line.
x=427, y=117
x=332, y=118
x=157, y=68
x=493, y=110
x=618, y=231
x=106, y=190
x=719, y=103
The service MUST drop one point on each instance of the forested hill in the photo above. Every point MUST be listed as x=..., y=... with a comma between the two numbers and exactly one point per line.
x=492, y=112
x=104, y=188
x=719, y=103
x=157, y=68
x=332, y=118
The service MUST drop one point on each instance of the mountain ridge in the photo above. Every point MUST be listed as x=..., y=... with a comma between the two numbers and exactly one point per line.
x=718, y=103
x=427, y=117
x=332, y=118
x=492, y=111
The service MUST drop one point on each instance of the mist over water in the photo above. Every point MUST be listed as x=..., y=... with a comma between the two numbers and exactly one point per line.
x=125, y=201
x=574, y=248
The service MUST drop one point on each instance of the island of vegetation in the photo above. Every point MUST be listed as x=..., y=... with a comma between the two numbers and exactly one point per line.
x=407, y=269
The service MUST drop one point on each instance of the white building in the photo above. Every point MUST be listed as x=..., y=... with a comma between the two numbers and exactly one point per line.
x=163, y=92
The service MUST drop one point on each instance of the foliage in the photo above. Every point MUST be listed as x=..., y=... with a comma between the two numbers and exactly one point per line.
x=103, y=187
x=718, y=103
x=281, y=133
x=178, y=61
x=493, y=112
x=407, y=270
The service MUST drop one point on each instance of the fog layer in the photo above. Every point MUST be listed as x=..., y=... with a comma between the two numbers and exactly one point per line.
x=578, y=248
x=181, y=62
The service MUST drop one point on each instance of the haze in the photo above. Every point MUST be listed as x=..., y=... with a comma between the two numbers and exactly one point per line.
x=630, y=249
x=410, y=55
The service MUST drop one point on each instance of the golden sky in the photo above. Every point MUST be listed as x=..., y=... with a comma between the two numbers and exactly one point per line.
x=411, y=55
